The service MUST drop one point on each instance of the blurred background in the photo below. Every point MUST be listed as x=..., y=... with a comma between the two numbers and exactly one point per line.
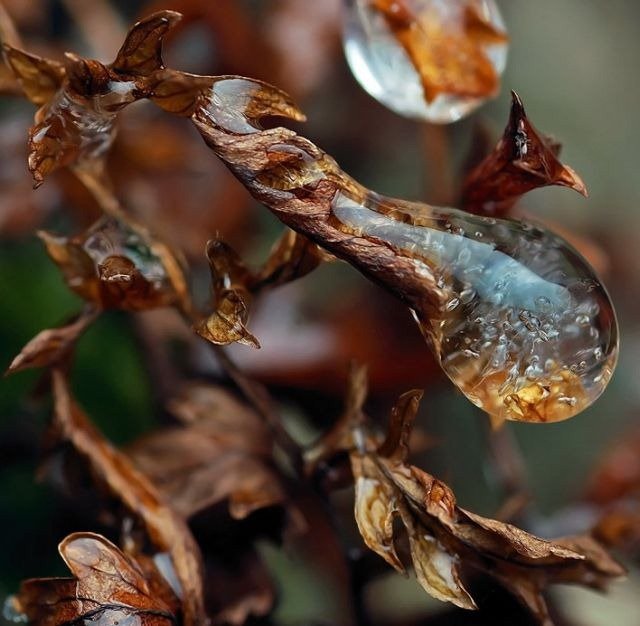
x=574, y=64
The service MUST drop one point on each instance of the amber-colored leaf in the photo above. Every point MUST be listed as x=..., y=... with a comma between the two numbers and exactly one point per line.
x=115, y=265
x=107, y=586
x=375, y=508
x=222, y=453
x=229, y=280
x=141, y=52
x=523, y=160
x=449, y=55
x=79, y=100
x=50, y=347
x=292, y=256
x=112, y=469
x=39, y=78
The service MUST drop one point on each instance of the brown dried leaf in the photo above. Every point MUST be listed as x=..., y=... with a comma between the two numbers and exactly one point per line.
x=450, y=57
x=223, y=453
x=523, y=160
x=166, y=529
x=141, y=52
x=50, y=347
x=38, y=77
x=292, y=256
x=107, y=586
x=80, y=100
x=443, y=537
x=229, y=279
x=375, y=508
x=117, y=265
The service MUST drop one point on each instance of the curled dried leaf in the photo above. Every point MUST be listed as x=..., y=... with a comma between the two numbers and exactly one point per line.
x=292, y=256
x=443, y=537
x=117, y=265
x=113, y=470
x=52, y=346
x=80, y=99
x=523, y=160
x=229, y=279
x=108, y=586
x=38, y=77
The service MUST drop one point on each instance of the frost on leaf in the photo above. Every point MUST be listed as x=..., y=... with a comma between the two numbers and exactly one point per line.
x=117, y=265
x=524, y=159
x=107, y=586
x=449, y=58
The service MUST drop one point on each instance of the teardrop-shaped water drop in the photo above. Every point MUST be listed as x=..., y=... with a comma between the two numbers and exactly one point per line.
x=519, y=294
x=435, y=60
x=501, y=302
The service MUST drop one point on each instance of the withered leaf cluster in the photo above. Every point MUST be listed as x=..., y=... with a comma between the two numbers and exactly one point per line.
x=220, y=453
x=445, y=540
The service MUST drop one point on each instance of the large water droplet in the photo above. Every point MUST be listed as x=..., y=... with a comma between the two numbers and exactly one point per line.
x=518, y=292
x=459, y=46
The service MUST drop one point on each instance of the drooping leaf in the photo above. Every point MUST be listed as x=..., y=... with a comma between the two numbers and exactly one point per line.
x=523, y=160
x=107, y=586
x=114, y=471
x=117, y=265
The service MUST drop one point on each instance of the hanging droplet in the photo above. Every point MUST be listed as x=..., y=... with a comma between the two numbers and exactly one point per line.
x=436, y=60
x=517, y=318
x=521, y=297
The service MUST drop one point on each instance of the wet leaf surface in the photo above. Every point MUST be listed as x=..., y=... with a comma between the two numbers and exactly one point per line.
x=117, y=265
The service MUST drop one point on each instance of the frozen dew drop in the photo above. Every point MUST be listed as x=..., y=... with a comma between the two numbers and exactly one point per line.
x=446, y=61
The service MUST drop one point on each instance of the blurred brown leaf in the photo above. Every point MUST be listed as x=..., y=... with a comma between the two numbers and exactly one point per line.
x=112, y=469
x=52, y=346
x=523, y=160
x=223, y=452
x=450, y=58
x=107, y=586
x=117, y=265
